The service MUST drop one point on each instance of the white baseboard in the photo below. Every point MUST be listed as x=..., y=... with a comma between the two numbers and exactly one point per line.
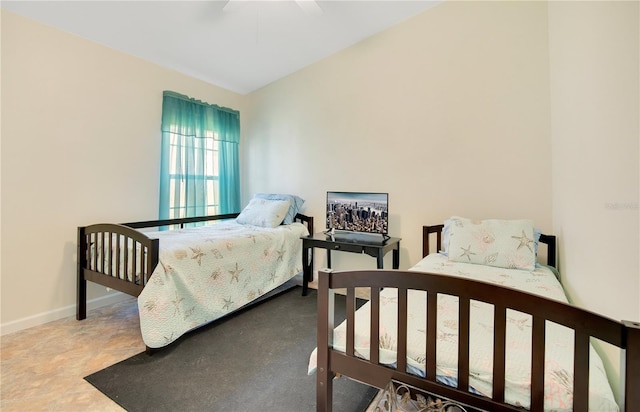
x=50, y=316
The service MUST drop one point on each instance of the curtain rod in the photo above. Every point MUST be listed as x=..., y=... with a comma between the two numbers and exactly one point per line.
x=191, y=99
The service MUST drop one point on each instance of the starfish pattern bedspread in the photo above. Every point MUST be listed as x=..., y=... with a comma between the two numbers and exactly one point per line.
x=207, y=272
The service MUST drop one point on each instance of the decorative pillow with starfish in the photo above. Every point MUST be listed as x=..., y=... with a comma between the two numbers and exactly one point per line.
x=493, y=242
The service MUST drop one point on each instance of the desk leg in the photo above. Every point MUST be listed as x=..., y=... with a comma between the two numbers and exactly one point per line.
x=380, y=259
x=306, y=270
x=396, y=257
x=311, y=263
x=329, y=258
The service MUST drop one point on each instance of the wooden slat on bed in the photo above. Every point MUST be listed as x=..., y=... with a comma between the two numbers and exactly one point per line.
x=537, y=362
x=499, y=346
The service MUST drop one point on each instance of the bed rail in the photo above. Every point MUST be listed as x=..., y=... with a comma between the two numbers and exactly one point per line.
x=179, y=222
x=585, y=324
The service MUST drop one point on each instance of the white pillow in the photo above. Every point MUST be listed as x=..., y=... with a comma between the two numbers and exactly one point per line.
x=295, y=201
x=264, y=212
x=502, y=243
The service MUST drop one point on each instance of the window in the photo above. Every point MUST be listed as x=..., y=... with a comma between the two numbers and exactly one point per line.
x=199, y=165
x=203, y=152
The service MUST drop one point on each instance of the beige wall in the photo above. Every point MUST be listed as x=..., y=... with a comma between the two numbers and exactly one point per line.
x=448, y=112
x=80, y=145
x=595, y=111
x=595, y=89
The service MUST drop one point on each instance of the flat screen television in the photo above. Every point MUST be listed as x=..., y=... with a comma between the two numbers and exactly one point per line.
x=362, y=212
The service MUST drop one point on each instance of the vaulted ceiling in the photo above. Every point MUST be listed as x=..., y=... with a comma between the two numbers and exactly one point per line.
x=241, y=45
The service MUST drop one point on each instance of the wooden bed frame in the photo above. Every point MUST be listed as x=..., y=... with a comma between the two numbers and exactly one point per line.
x=624, y=335
x=90, y=268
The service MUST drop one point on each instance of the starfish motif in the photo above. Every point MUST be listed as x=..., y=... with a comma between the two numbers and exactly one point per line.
x=215, y=274
x=447, y=337
x=197, y=254
x=168, y=269
x=176, y=303
x=519, y=323
x=280, y=255
x=235, y=274
x=227, y=303
x=189, y=312
x=168, y=339
x=272, y=277
x=524, y=241
x=467, y=252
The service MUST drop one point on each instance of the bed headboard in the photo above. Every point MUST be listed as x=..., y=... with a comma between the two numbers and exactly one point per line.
x=428, y=231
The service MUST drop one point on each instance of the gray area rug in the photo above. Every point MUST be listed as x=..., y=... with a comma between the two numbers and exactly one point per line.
x=253, y=360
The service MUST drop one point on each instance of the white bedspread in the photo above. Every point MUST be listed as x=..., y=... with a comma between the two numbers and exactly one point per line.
x=559, y=344
x=207, y=272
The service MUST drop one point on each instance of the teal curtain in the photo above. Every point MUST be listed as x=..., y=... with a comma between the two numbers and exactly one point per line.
x=227, y=127
x=187, y=125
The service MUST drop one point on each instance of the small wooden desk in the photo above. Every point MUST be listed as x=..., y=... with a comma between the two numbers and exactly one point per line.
x=324, y=241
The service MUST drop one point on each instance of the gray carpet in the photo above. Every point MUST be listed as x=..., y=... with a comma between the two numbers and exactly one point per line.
x=253, y=360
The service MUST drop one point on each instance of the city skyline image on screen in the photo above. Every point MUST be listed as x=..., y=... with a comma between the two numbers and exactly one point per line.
x=358, y=212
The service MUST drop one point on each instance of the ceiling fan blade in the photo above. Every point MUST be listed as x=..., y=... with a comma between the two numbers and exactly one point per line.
x=234, y=5
x=309, y=6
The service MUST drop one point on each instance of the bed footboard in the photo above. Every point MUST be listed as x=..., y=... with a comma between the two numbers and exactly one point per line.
x=114, y=256
x=585, y=324
x=120, y=257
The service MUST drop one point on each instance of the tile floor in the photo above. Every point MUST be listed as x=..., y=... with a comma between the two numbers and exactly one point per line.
x=43, y=367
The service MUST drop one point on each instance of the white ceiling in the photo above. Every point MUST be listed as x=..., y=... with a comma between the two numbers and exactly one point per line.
x=240, y=45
